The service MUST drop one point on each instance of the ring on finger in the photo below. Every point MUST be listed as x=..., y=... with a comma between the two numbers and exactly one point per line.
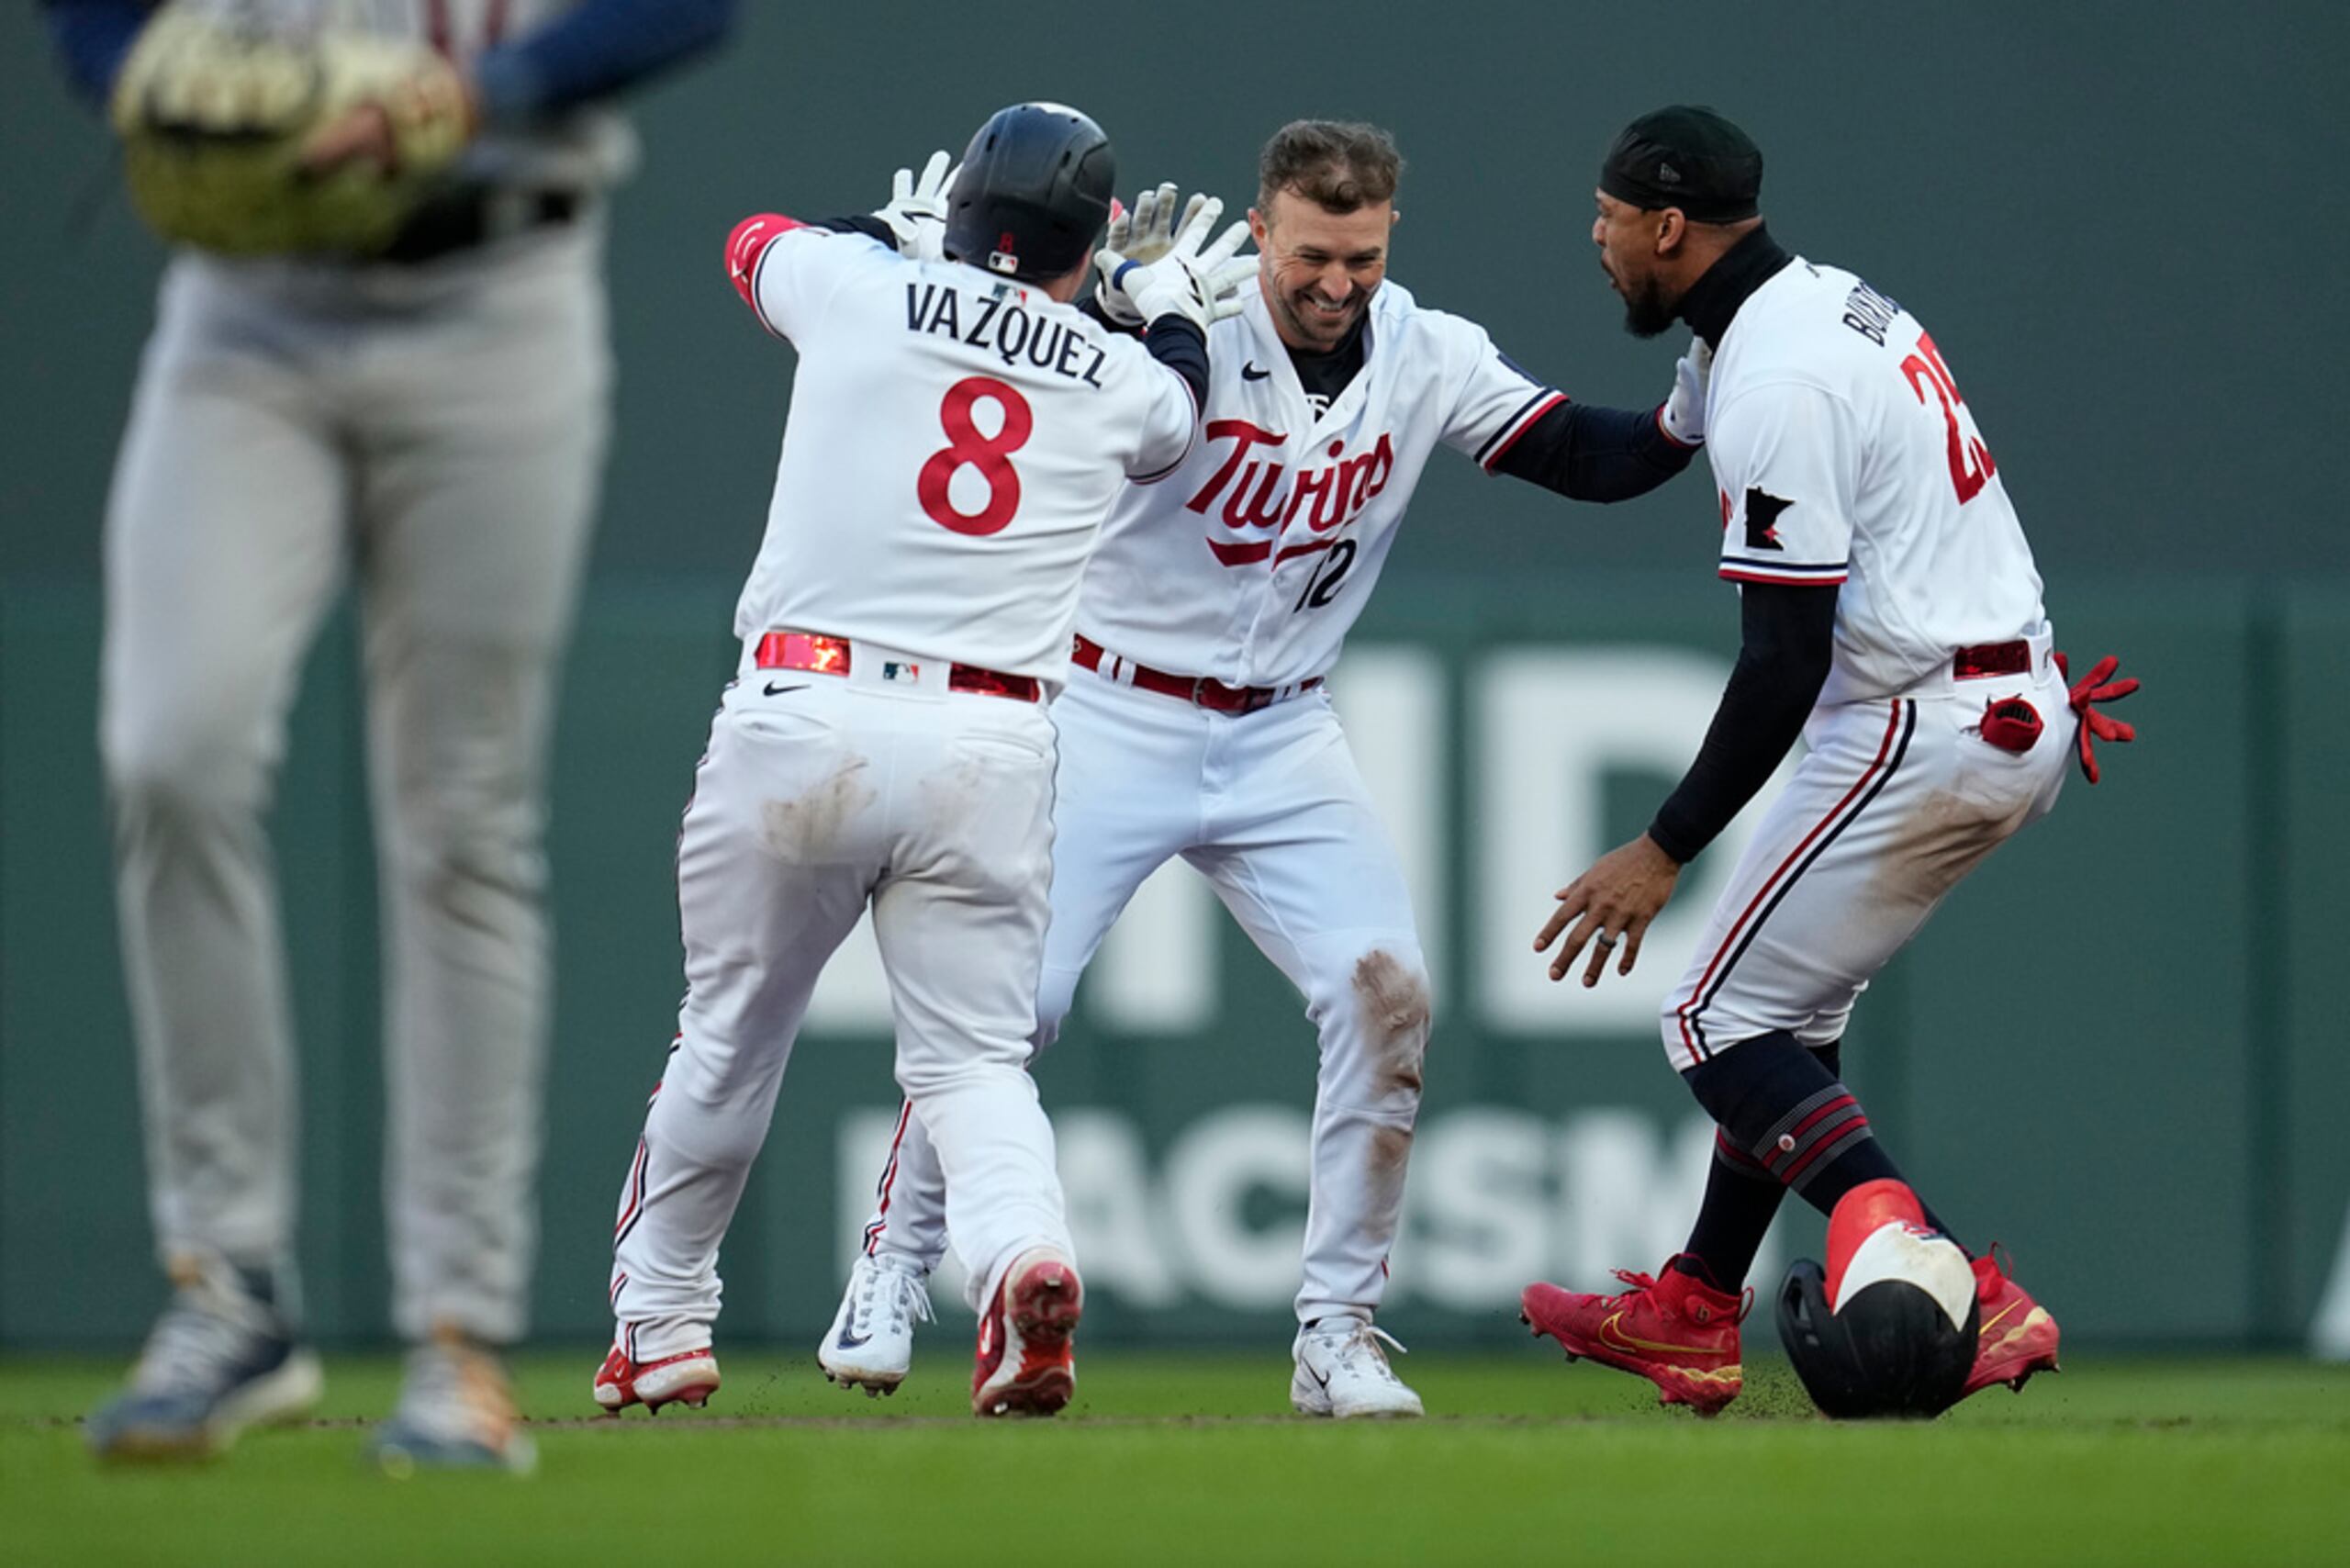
x=1604, y=940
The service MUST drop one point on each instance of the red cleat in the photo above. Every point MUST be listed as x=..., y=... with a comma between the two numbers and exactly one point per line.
x=689, y=1378
x=1676, y=1331
x=1025, y=1366
x=2018, y=1336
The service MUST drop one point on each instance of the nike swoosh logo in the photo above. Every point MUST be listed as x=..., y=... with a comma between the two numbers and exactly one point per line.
x=1318, y=1378
x=1250, y=372
x=1615, y=1339
x=848, y=1341
x=774, y=691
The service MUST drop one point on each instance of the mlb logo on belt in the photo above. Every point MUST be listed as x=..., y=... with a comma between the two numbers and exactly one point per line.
x=894, y=669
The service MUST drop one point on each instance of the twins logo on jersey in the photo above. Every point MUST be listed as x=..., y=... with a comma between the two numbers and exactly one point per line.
x=1261, y=496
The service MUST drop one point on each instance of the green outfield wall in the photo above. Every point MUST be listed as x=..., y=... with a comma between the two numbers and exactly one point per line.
x=2118, y=1048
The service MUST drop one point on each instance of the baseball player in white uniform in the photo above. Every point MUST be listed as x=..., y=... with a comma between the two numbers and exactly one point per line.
x=957, y=430
x=431, y=422
x=1892, y=619
x=1198, y=724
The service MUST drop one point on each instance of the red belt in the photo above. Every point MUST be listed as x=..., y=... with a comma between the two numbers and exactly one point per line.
x=1987, y=659
x=1198, y=690
x=814, y=652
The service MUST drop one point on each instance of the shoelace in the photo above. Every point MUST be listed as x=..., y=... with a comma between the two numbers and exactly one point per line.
x=1641, y=1283
x=906, y=1295
x=1638, y=1281
x=1362, y=1346
x=194, y=1345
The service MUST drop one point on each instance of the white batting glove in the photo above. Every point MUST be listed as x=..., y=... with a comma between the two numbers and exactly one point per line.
x=1684, y=414
x=917, y=211
x=1198, y=279
x=1144, y=233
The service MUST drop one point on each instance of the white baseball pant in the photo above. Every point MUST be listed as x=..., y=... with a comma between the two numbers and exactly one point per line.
x=1896, y=800
x=1270, y=807
x=821, y=794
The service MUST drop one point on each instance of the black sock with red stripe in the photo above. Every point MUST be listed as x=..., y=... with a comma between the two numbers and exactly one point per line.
x=1741, y=1200
x=1785, y=1116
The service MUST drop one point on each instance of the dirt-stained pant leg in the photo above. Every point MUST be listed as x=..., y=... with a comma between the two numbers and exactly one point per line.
x=780, y=847
x=481, y=449
x=1302, y=859
x=960, y=920
x=1126, y=801
x=224, y=546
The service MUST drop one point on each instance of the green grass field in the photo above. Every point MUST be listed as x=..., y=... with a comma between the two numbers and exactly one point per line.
x=1168, y=1459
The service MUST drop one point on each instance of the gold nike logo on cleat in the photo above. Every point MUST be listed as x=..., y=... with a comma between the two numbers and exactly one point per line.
x=2037, y=1316
x=1615, y=1339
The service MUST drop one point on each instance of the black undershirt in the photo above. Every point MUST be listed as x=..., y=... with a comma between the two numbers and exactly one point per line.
x=1178, y=343
x=1787, y=631
x=1326, y=375
x=1787, y=640
x=1590, y=453
x=1736, y=272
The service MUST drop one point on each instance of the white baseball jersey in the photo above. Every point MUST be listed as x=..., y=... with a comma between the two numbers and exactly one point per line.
x=1249, y=565
x=955, y=441
x=1843, y=453
x=1251, y=562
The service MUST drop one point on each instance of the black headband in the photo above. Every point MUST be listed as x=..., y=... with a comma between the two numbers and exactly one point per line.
x=1685, y=157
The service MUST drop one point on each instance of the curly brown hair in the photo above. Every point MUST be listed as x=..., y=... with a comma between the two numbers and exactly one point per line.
x=1338, y=164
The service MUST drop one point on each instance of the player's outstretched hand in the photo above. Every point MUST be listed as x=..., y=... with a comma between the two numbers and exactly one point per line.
x=1684, y=414
x=1610, y=905
x=1143, y=232
x=1197, y=278
x=917, y=211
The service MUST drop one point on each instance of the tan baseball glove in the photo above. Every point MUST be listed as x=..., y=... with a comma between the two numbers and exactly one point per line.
x=215, y=117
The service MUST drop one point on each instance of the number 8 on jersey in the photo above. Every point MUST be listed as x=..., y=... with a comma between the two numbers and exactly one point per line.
x=968, y=447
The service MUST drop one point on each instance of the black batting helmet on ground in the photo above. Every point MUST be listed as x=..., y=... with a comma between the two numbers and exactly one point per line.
x=1033, y=193
x=1889, y=1327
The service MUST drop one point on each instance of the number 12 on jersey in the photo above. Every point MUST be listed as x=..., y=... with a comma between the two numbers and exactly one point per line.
x=990, y=455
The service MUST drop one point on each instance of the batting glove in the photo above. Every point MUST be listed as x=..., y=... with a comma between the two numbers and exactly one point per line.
x=1144, y=232
x=2098, y=686
x=917, y=211
x=1198, y=279
x=1684, y=414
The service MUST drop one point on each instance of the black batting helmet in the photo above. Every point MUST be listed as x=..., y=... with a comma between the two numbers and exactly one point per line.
x=1033, y=192
x=1888, y=1327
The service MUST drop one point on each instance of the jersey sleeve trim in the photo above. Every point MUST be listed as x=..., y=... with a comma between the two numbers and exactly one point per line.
x=746, y=251
x=1544, y=399
x=1745, y=570
x=1157, y=474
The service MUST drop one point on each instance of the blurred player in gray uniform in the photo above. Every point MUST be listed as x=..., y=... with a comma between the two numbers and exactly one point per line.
x=430, y=420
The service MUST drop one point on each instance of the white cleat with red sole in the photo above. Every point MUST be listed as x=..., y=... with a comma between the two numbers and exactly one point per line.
x=1025, y=1365
x=688, y=1378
